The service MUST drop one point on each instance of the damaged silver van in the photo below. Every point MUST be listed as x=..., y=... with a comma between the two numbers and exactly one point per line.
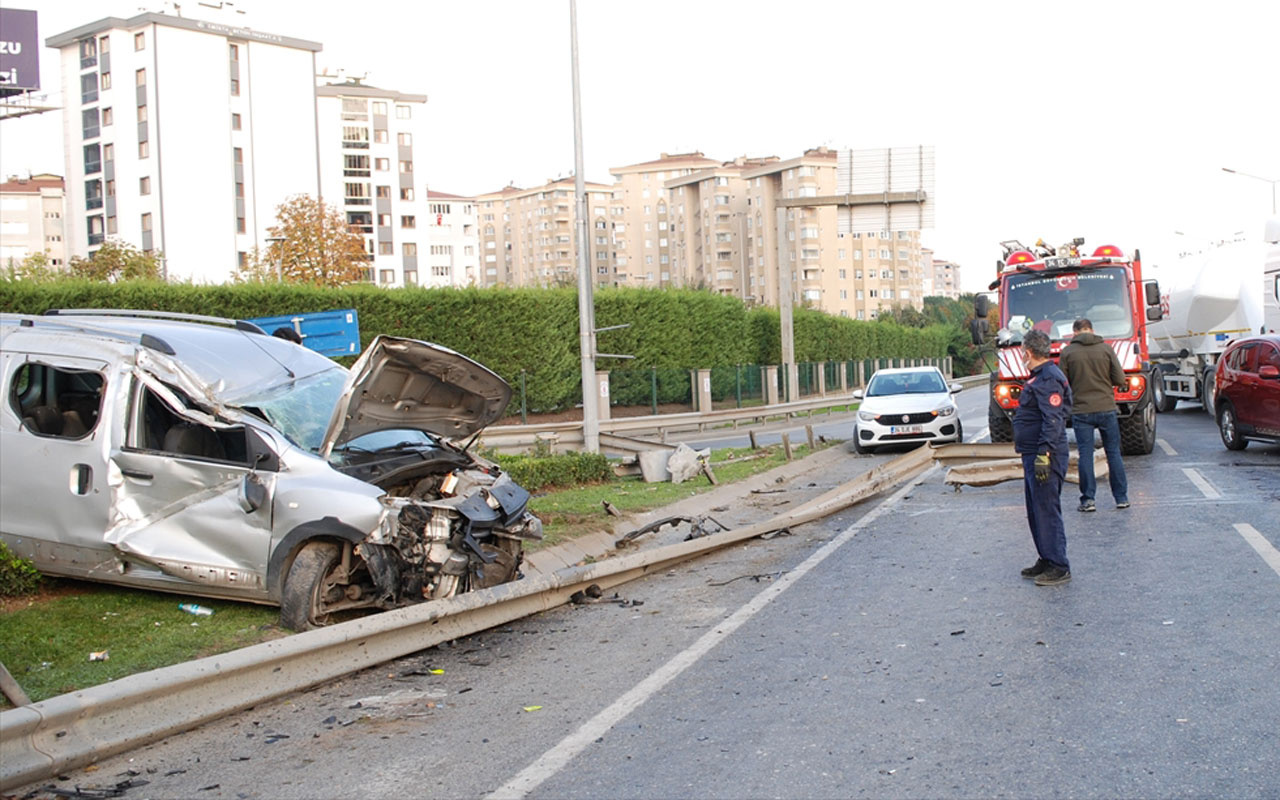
x=201, y=456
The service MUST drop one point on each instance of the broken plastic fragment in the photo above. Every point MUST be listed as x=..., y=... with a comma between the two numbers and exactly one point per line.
x=532, y=708
x=101, y=655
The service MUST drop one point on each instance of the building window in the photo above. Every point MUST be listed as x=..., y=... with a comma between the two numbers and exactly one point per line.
x=144, y=185
x=381, y=164
x=384, y=192
x=88, y=88
x=142, y=113
x=384, y=220
x=107, y=116
x=104, y=44
x=404, y=139
x=237, y=155
x=386, y=276
x=240, y=227
x=111, y=188
x=408, y=221
x=406, y=194
x=88, y=53
x=104, y=81
x=406, y=166
x=403, y=112
x=113, y=226
x=409, y=249
x=235, y=87
x=234, y=51
x=140, y=78
x=108, y=152
x=235, y=122
x=386, y=249
x=139, y=41
x=410, y=277
x=379, y=136
x=146, y=222
x=144, y=149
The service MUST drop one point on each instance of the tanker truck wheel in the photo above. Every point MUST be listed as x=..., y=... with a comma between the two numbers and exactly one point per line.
x=1164, y=402
x=1138, y=430
x=1207, y=384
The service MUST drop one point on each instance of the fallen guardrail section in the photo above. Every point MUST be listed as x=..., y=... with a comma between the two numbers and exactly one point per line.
x=72, y=730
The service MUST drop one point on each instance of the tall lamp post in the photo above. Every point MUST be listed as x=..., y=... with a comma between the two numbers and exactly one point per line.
x=278, y=240
x=1272, y=181
x=586, y=295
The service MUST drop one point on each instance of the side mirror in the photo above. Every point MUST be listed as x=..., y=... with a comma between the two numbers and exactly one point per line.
x=1269, y=372
x=955, y=387
x=252, y=494
x=857, y=394
x=978, y=328
x=981, y=306
x=1152, y=288
x=1154, y=313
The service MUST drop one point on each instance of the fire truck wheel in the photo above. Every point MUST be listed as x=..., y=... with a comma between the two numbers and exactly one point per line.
x=1138, y=430
x=1001, y=426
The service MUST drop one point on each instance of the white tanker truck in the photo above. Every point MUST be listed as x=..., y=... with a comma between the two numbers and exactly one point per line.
x=1230, y=289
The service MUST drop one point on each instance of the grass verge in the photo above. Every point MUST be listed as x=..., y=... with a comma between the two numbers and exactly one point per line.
x=47, y=639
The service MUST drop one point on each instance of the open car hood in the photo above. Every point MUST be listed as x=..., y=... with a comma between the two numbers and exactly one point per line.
x=406, y=383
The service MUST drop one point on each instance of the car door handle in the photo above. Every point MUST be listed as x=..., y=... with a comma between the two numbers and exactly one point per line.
x=137, y=474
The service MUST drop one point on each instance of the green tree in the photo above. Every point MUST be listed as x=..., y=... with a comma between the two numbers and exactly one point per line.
x=316, y=246
x=116, y=260
x=35, y=268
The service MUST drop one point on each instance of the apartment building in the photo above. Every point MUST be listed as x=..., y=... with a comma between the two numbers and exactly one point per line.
x=640, y=235
x=946, y=278
x=725, y=233
x=527, y=236
x=183, y=136
x=31, y=219
x=455, y=240
x=368, y=139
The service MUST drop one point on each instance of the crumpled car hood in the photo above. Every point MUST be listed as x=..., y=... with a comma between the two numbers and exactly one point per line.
x=406, y=383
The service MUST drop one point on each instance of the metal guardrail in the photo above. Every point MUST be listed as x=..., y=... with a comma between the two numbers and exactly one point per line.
x=568, y=435
x=75, y=729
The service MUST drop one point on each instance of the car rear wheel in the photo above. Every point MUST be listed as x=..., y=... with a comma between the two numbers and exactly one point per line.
x=1227, y=427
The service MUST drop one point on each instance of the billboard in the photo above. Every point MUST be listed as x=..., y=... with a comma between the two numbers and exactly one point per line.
x=894, y=186
x=19, y=52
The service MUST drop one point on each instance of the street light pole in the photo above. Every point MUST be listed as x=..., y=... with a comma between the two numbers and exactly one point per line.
x=1272, y=181
x=586, y=299
x=279, y=241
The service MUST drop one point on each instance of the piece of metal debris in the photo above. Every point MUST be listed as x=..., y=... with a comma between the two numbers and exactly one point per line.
x=698, y=527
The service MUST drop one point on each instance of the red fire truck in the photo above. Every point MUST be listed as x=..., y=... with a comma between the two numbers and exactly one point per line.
x=1047, y=289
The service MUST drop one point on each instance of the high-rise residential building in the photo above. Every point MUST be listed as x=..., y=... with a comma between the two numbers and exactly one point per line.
x=527, y=236
x=640, y=225
x=183, y=136
x=455, y=240
x=725, y=234
x=31, y=220
x=368, y=140
x=946, y=278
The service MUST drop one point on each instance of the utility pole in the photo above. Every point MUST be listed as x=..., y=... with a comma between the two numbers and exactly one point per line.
x=586, y=298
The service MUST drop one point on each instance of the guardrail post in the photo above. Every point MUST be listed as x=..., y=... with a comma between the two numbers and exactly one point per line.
x=770, y=384
x=602, y=387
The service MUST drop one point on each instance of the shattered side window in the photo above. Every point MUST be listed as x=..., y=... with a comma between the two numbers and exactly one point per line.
x=166, y=430
x=54, y=401
x=301, y=409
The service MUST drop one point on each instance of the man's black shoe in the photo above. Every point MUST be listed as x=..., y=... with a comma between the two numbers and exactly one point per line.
x=1087, y=505
x=1053, y=576
x=1035, y=569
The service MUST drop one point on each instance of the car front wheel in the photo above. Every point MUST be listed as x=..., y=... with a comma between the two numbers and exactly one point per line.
x=318, y=589
x=1227, y=427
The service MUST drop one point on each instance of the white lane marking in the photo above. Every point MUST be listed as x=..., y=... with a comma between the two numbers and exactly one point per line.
x=1258, y=542
x=555, y=759
x=1203, y=485
x=1168, y=450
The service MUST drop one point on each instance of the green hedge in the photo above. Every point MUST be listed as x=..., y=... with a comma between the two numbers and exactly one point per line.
x=17, y=576
x=537, y=472
x=529, y=330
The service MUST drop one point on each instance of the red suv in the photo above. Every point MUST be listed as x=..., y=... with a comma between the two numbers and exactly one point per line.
x=1247, y=391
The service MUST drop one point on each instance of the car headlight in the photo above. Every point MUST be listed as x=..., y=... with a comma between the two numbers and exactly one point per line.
x=946, y=411
x=866, y=416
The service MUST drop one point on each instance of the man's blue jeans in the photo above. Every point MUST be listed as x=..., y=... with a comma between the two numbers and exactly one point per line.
x=1108, y=427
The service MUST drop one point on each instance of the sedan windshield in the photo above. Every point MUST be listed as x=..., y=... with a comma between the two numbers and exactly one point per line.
x=906, y=383
x=301, y=409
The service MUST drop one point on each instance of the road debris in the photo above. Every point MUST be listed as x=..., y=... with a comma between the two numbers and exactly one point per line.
x=117, y=790
x=198, y=610
x=531, y=709
x=100, y=655
x=610, y=509
x=767, y=576
x=697, y=528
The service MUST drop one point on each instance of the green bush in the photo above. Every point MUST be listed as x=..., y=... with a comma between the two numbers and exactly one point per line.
x=17, y=576
x=537, y=472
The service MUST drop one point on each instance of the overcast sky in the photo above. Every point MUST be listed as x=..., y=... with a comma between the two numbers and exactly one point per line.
x=1107, y=120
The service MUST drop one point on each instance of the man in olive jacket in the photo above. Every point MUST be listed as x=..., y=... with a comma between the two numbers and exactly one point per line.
x=1093, y=370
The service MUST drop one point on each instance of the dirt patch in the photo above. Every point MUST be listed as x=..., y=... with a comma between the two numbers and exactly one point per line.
x=50, y=589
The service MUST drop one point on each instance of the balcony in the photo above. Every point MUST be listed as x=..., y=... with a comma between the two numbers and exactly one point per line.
x=90, y=167
x=351, y=144
x=357, y=201
x=96, y=238
x=356, y=173
x=92, y=203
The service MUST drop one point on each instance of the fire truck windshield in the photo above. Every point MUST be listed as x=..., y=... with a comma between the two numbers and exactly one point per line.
x=1052, y=302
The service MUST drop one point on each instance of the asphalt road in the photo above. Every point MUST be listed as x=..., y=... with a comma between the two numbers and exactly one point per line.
x=889, y=651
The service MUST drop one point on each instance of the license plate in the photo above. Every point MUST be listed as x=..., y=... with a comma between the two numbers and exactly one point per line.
x=906, y=429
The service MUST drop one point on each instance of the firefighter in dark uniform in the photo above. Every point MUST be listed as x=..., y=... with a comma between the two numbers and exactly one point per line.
x=1040, y=437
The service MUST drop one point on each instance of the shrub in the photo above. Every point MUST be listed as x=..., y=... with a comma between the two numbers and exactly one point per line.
x=536, y=472
x=17, y=575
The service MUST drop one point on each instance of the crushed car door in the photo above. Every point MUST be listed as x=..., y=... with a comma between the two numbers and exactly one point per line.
x=53, y=442
x=193, y=499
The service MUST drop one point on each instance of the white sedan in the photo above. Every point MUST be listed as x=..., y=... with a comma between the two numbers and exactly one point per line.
x=913, y=404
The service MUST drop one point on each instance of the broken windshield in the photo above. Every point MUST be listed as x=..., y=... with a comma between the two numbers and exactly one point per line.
x=301, y=409
x=1052, y=302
